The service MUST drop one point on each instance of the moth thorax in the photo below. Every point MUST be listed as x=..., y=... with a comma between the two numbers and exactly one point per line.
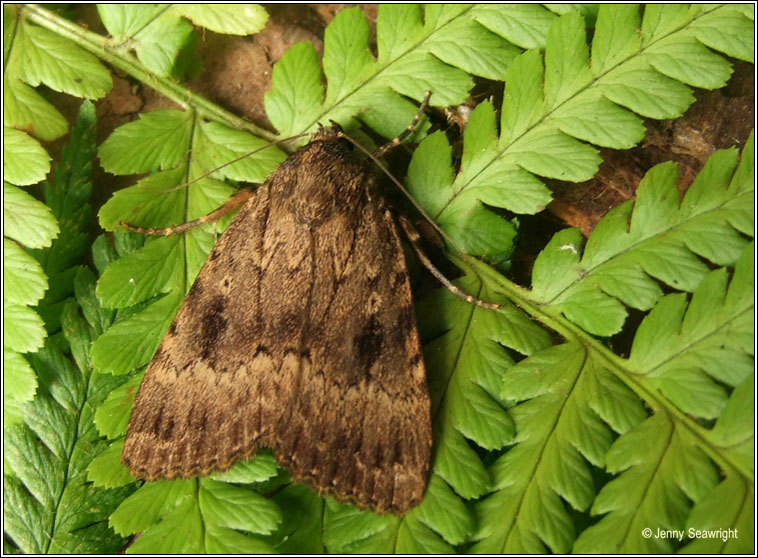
x=341, y=189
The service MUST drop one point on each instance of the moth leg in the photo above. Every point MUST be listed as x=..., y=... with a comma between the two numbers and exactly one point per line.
x=231, y=204
x=389, y=146
x=413, y=237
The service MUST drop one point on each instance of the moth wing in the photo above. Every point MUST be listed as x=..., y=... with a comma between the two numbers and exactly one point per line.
x=360, y=427
x=211, y=385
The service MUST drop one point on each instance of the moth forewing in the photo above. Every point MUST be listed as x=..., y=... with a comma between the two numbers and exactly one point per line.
x=298, y=335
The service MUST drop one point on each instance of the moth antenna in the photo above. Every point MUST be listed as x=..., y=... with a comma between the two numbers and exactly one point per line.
x=235, y=160
x=231, y=204
x=413, y=237
x=390, y=145
x=409, y=230
x=404, y=190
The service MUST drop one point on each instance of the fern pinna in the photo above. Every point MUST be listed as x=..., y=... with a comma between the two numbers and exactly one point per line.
x=545, y=440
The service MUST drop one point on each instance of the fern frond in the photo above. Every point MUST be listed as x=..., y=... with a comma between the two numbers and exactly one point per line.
x=686, y=463
x=34, y=224
x=693, y=352
x=654, y=238
x=414, y=56
x=158, y=33
x=202, y=515
x=689, y=359
x=568, y=408
x=551, y=109
x=34, y=56
x=49, y=505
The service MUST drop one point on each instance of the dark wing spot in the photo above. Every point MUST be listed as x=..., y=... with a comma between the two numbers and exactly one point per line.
x=212, y=326
x=399, y=278
x=168, y=430
x=158, y=422
x=373, y=282
x=289, y=323
x=368, y=344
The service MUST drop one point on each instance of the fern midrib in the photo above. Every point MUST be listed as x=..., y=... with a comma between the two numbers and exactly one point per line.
x=200, y=513
x=158, y=15
x=191, y=150
x=380, y=69
x=500, y=152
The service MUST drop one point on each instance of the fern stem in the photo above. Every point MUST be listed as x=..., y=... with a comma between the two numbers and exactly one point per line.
x=103, y=49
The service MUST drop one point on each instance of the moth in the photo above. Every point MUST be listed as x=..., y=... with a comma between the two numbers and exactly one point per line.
x=298, y=335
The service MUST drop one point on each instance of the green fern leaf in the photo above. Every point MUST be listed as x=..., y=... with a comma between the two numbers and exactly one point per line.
x=158, y=33
x=230, y=20
x=26, y=220
x=413, y=56
x=49, y=506
x=131, y=341
x=112, y=417
x=301, y=528
x=196, y=516
x=25, y=109
x=563, y=425
x=525, y=25
x=660, y=238
x=548, y=108
x=36, y=225
x=25, y=282
x=349, y=530
x=260, y=468
x=691, y=357
x=25, y=162
x=53, y=60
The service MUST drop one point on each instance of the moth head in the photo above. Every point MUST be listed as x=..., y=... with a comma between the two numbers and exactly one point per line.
x=327, y=133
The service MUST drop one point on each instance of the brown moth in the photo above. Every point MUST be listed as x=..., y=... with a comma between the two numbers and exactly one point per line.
x=298, y=335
